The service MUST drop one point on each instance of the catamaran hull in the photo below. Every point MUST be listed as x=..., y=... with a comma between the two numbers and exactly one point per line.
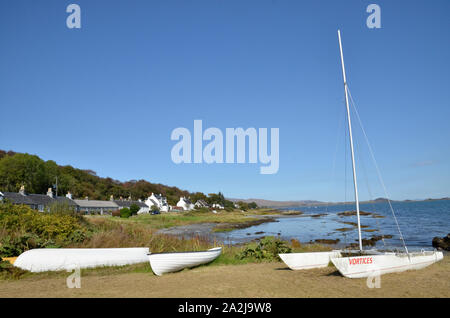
x=173, y=262
x=297, y=261
x=373, y=265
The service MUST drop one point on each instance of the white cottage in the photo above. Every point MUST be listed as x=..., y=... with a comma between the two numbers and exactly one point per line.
x=186, y=204
x=159, y=201
x=218, y=206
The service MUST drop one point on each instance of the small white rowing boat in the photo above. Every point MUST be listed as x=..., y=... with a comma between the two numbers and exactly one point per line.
x=371, y=265
x=296, y=261
x=162, y=263
x=58, y=259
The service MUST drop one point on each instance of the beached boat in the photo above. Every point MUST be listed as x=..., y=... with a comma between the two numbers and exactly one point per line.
x=296, y=261
x=373, y=265
x=57, y=259
x=162, y=263
x=370, y=263
x=362, y=263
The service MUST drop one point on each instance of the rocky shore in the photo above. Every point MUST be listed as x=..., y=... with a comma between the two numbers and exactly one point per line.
x=442, y=243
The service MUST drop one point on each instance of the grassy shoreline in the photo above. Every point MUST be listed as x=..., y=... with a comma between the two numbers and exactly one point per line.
x=267, y=280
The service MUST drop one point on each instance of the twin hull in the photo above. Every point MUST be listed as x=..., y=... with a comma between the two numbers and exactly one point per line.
x=298, y=261
x=374, y=265
x=172, y=262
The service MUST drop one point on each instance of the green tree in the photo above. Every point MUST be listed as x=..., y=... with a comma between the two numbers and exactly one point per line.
x=252, y=205
x=23, y=169
x=134, y=208
x=125, y=213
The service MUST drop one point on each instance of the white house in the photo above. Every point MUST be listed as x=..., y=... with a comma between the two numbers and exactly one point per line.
x=159, y=201
x=185, y=203
x=218, y=206
x=201, y=204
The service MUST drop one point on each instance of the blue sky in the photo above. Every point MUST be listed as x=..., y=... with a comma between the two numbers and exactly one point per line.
x=107, y=96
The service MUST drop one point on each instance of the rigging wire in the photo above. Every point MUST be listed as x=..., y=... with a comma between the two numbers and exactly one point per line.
x=377, y=169
x=366, y=180
x=338, y=136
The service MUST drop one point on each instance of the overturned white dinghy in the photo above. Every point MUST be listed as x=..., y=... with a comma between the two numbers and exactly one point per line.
x=162, y=263
x=297, y=261
x=57, y=259
x=374, y=265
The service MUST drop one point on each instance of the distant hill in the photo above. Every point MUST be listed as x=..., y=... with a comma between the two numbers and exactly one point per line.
x=278, y=204
x=38, y=175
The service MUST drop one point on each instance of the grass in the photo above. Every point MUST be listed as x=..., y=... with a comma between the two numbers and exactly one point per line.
x=166, y=220
x=142, y=231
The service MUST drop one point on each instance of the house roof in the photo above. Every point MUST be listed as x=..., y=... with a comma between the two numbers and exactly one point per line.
x=17, y=198
x=96, y=204
x=35, y=199
x=126, y=203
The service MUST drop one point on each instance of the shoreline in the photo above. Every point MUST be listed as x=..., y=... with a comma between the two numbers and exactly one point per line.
x=260, y=280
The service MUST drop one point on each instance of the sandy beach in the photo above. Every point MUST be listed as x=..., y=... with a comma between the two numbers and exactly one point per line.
x=249, y=280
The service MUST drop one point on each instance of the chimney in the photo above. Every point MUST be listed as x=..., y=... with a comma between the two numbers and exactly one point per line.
x=111, y=198
x=22, y=190
x=69, y=195
x=50, y=192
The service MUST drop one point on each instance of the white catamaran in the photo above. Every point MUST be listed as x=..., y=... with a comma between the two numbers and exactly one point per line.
x=366, y=262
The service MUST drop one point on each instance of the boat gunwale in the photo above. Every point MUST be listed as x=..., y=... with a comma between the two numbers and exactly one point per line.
x=214, y=249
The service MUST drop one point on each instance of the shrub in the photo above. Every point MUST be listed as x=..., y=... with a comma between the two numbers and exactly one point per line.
x=115, y=213
x=267, y=249
x=125, y=213
x=134, y=208
x=22, y=228
x=7, y=270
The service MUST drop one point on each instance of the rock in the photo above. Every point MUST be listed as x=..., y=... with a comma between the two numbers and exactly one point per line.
x=442, y=243
x=327, y=241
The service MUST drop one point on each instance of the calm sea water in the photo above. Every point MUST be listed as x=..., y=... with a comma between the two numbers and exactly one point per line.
x=418, y=221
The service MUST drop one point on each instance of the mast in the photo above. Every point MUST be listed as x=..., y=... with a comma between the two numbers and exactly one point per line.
x=351, y=141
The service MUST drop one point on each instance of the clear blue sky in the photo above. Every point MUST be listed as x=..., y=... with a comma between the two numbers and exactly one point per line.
x=106, y=97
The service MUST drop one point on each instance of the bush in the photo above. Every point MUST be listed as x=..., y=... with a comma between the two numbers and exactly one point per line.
x=134, y=208
x=125, y=213
x=7, y=270
x=115, y=213
x=22, y=228
x=267, y=249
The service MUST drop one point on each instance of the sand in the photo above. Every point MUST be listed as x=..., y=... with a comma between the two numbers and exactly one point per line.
x=249, y=280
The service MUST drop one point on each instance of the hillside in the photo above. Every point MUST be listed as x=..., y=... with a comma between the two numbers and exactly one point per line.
x=38, y=175
x=278, y=204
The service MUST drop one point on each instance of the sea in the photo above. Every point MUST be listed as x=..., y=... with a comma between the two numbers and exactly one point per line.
x=419, y=223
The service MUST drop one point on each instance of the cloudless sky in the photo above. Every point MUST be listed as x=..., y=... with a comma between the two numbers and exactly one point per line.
x=107, y=96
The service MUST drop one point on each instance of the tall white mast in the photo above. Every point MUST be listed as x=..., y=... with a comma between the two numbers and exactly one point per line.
x=351, y=141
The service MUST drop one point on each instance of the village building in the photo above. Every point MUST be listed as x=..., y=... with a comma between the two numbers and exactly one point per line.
x=201, y=204
x=218, y=206
x=155, y=200
x=87, y=206
x=143, y=208
x=185, y=203
x=39, y=202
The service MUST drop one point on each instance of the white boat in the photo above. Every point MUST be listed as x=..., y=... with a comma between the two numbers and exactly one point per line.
x=372, y=262
x=376, y=263
x=57, y=259
x=162, y=263
x=371, y=265
x=296, y=261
